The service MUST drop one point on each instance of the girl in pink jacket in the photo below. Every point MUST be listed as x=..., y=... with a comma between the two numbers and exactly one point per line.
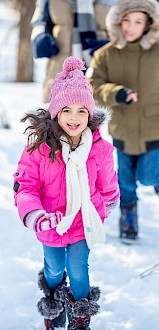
x=65, y=186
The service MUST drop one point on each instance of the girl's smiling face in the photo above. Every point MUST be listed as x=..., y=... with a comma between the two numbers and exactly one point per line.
x=73, y=119
x=133, y=25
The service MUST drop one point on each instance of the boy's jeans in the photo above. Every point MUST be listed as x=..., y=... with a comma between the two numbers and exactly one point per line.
x=75, y=258
x=143, y=168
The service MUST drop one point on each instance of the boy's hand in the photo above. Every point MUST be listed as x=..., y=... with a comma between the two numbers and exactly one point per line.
x=132, y=97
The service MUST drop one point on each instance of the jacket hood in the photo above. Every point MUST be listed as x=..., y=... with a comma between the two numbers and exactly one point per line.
x=102, y=113
x=121, y=8
x=100, y=117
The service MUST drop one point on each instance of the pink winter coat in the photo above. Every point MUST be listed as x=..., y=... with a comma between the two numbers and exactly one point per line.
x=41, y=184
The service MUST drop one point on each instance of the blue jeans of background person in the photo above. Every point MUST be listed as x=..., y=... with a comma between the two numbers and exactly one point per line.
x=143, y=168
x=75, y=258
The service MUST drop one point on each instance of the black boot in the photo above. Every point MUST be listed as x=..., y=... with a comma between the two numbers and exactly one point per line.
x=56, y=324
x=128, y=224
x=52, y=306
x=157, y=189
x=80, y=312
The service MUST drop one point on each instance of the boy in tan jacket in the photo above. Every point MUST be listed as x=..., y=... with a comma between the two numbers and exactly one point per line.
x=125, y=78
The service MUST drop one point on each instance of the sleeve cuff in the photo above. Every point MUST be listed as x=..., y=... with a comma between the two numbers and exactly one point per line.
x=122, y=96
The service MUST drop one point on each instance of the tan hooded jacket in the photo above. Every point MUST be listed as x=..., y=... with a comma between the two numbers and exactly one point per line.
x=135, y=66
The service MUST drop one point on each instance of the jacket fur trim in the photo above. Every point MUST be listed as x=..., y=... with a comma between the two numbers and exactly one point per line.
x=122, y=7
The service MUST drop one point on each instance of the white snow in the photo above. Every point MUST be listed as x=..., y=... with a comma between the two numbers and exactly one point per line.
x=128, y=301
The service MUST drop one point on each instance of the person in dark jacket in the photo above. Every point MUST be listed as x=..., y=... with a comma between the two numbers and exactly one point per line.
x=61, y=29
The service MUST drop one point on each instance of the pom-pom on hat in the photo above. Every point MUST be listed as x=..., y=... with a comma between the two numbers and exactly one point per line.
x=71, y=86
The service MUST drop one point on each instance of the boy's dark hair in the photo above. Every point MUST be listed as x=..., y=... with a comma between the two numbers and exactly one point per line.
x=44, y=129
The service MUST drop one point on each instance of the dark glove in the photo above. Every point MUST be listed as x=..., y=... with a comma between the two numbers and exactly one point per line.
x=122, y=95
x=94, y=44
x=44, y=46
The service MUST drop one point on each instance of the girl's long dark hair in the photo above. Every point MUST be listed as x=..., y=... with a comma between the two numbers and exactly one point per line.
x=44, y=129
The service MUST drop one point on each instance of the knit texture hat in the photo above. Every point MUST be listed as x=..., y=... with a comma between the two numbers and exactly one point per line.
x=71, y=86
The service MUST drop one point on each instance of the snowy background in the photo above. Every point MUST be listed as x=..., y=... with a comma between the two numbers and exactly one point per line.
x=130, y=299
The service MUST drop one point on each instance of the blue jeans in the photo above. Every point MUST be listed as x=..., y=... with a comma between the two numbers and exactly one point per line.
x=74, y=258
x=143, y=168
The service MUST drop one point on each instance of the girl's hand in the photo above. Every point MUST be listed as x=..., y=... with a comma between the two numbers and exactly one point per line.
x=132, y=96
x=110, y=207
x=39, y=220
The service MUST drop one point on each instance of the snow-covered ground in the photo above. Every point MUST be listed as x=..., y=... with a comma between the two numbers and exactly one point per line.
x=129, y=300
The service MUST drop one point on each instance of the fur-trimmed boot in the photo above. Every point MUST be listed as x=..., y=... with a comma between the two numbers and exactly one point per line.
x=79, y=312
x=52, y=306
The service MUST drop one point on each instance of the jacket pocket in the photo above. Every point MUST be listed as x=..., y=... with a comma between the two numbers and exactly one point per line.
x=18, y=178
x=152, y=110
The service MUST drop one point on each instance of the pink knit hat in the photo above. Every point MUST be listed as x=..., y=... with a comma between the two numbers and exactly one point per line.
x=71, y=86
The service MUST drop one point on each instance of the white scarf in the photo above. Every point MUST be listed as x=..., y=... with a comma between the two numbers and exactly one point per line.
x=78, y=194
